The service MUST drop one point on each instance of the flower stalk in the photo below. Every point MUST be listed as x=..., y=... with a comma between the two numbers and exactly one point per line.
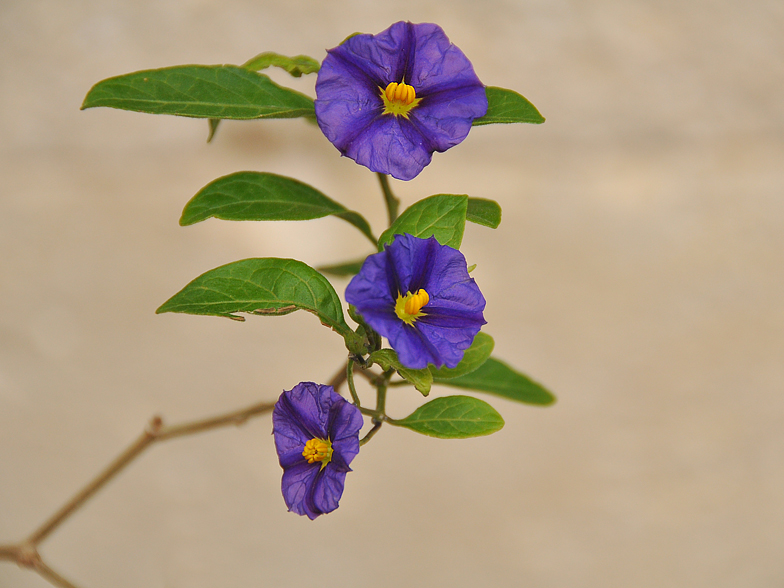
x=392, y=202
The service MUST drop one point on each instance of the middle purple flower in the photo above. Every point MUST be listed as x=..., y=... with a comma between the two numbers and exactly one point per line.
x=417, y=293
x=388, y=101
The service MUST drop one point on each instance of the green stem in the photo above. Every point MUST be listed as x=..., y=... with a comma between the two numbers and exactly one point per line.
x=381, y=392
x=371, y=432
x=374, y=414
x=350, y=379
x=392, y=202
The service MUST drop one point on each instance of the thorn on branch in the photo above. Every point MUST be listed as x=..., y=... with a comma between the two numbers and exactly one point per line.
x=155, y=425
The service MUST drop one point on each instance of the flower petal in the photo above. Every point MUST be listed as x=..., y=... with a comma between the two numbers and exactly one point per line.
x=445, y=118
x=390, y=145
x=297, y=484
x=326, y=492
x=305, y=407
x=413, y=349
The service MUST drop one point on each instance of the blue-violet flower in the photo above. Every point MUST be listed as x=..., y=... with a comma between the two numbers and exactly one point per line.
x=388, y=101
x=316, y=436
x=417, y=293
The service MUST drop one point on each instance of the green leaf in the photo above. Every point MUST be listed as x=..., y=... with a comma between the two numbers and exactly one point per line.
x=262, y=286
x=507, y=106
x=257, y=196
x=296, y=66
x=420, y=379
x=349, y=268
x=453, y=417
x=442, y=216
x=484, y=212
x=473, y=358
x=495, y=377
x=202, y=91
x=214, y=122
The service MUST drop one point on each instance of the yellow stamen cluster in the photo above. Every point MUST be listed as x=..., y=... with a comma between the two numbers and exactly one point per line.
x=318, y=450
x=409, y=307
x=399, y=99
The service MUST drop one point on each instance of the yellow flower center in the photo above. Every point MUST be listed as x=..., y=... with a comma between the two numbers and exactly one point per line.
x=318, y=450
x=409, y=307
x=399, y=99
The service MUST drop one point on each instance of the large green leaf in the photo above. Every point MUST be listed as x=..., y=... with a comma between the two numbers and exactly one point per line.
x=484, y=212
x=473, y=358
x=260, y=196
x=202, y=91
x=496, y=377
x=262, y=286
x=420, y=379
x=507, y=106
x=442, y=216
x=296, y=66
x=453, y=417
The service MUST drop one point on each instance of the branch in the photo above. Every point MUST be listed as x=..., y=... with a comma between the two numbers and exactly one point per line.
x=26, y=554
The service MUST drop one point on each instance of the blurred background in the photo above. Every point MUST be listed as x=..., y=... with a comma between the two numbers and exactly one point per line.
x=638, y=273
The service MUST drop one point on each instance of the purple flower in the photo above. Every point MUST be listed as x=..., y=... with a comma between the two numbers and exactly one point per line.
x=417, y=293
x=388, y=101
x=316, y=436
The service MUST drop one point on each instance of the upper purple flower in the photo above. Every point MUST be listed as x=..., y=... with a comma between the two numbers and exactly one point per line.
x=388, y=101
x=316, y=436
x=417, y=293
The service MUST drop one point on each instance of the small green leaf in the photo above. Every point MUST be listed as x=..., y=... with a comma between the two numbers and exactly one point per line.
x=495, y=377
x=442, y=216
x=484, y=212
x=350, y=268
x=507, y=106
x=257, y=196
x=214, y=122
x=262, y=286
x=473, y=358
x=201, y=91
x=420, y=379
x=453, y=417
x=296, y=66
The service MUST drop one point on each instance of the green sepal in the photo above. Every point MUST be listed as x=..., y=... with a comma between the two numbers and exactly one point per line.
x=200, y=91
x=422, y=379
x=442, y=216
x=262, y=286
x=507, y=106
x=496, y=377
x=257, y=196
x=296, y=66
x=473, y=358
x=484, y=212
x=453, y=417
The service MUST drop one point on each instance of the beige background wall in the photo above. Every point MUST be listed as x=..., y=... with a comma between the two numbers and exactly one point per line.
x=638, y=272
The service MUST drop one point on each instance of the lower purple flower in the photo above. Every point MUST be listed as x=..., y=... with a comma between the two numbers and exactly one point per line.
x=417, y=293
x=316, y=437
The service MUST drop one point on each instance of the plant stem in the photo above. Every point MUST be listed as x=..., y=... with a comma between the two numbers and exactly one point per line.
x=374, y=414
x=381, y=392
x=96, y=484
x=371, y=432
x=52, y=576
x=392, y=202
x=350, y=378
x=154, y=432
x=339, y=377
